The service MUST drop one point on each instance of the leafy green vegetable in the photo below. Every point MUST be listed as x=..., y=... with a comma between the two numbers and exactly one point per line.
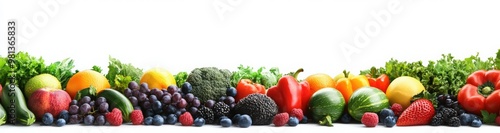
x=180, y=78
x=488, y=117
x=444, y=76
x=267, y=78
x=120, y=74
x=61, y=70
x=97, y=68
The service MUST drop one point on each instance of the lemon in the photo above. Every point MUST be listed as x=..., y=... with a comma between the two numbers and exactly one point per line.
x=402, y=89
x=41, y=81
x=158, y=78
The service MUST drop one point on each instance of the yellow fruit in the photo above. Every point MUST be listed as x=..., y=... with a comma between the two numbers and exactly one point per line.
x=402, y=89
x=319, y=81
x=158, y=78
x=85, y=79
x=342, y=75
x=41, y=81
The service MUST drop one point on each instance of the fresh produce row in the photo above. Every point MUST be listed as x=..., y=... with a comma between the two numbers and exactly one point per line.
x=445, y=92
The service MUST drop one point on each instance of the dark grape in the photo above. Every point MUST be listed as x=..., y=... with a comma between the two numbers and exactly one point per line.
x=144, y=86
x=170, y=109
x=100, y=100
x=182, y=103
x=133, y=100
x=133, y=85
x=85, y=99
x=196, y=103
x=186, y=88
x=176, y=97
x=158, y=93
x=189, y=97
x=136, y=93
x=73, y=109
x=92, y=103
x=222, y=98
x=156, y=106
x=146, y=105
x=209, y=103
x=85, y=109
x=142, y=97
x=172, y=89
x=193, y=110
x=127, y=92
x=167, y=94
x=232, y=105
x=153, y=91
x=88, y=120
x=73, y=102
x=231, y=91
x=104, y=107
x=152, y=98
x=164, y=90
x=73, y=119
x=100, y=120
x=166, y=99
x=229, y=100
x=144, y=89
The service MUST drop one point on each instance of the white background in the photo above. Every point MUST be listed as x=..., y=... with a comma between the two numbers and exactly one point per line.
x=180, y=35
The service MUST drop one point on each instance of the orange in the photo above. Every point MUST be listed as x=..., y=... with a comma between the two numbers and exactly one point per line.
x=319, y=81
x=85, y=79
x=158, y=78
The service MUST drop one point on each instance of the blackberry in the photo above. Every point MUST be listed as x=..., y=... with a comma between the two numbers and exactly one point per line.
x=207, y=114
x=448, y=113
x=221, y=109
x=437, y=120
x=454, y=122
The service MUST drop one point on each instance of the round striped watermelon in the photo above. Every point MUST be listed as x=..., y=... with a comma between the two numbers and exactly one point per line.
x=366, y=99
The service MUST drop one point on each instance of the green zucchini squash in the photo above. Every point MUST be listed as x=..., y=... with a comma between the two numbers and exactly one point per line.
x=116, y=99
x=23, y=115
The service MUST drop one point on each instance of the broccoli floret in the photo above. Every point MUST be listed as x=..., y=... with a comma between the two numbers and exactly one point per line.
x=209, y=82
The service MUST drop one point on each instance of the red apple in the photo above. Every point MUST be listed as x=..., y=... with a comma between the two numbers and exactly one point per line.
x=48, y=100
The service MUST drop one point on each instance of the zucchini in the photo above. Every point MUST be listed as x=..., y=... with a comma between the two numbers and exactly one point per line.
x=3, y=115
x=22, y=114
x=116, y=99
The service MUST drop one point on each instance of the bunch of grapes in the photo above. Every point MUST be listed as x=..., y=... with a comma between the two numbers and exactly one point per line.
x=166, y=102
x=88, y=110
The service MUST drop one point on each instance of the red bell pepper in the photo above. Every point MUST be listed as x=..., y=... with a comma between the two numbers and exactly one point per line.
x=482, y=92
x=381, y=82
x=290, y=94
x=246, y=87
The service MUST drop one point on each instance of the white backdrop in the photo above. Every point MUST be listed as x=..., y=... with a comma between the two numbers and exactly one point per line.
x=180, y=35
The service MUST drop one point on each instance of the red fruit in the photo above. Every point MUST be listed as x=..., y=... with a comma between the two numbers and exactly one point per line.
x=297, y=113
x=419, y=112
x=397, y=109
x=114, y=117
x=136, y=117
x=370, y=119
x=186, y=119
x=497, y=120
x=281, y=119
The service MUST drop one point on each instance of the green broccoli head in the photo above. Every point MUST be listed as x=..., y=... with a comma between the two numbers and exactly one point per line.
x=209, y=82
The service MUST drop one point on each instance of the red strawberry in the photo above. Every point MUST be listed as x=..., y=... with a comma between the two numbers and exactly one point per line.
x=397, y=109
x=370, y=119
x=297, y=113
x=136, y=117
x=281, y=119
x=114, y=117
x=186, y=119
x=420, y=112
x=497, y=120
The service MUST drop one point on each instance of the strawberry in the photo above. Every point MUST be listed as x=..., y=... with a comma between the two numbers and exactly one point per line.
x=114, y=117
x=497, y=120
x=369, y=119
x=420, y=112
x=136, y=117
x=281, y=119
x=186, y=119
x=397, y=109
x=297, y=113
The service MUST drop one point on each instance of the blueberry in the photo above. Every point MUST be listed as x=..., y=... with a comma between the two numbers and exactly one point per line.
x=476, y=123
x=60, y=122
x=157, y=120
x=304, y=120
x=47, y=119
x=384, y=113
x=226, y=122
x=236, y=118
x=64, y=115
x=293, y=121
x=245, y=121
x=171, y=119
x=222, y=117
x=465, y=119
x=346, y=118
x=231, y=91
x=390, y=121
x=148, y=120
x=186, y=88
x=199, y=122
x=164, y=119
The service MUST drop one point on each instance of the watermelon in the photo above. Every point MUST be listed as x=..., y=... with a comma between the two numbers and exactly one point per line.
x=326, y=106
x=366, y=99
